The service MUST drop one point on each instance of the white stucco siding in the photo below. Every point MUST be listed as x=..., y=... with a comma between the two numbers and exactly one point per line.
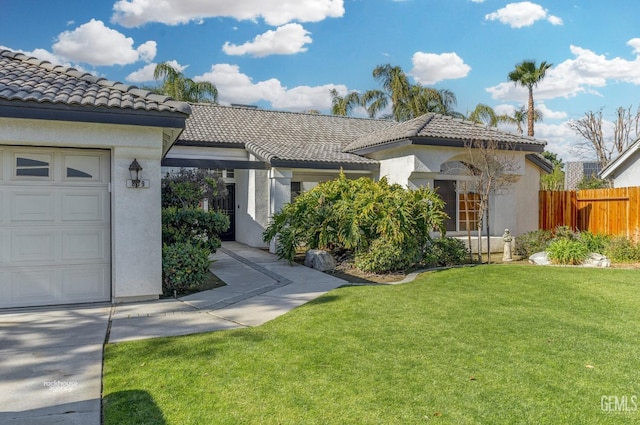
x=526, y=195
x=252, y=203
x=628, y=173
x=136, y=263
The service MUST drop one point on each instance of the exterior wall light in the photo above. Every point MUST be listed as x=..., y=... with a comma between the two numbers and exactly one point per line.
x=134, y=170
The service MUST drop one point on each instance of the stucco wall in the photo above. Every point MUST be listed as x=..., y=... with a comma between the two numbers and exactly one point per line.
x=628, y=174
x=136, y=270
x=252, y=203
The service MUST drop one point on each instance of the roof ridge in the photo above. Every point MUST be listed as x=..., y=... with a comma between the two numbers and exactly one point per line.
x=310, y=114
x=93, y=79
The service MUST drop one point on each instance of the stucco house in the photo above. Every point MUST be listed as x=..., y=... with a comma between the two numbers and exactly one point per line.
x=71, y=230
x=624, y=171
x=74, y=227
x=268, y=157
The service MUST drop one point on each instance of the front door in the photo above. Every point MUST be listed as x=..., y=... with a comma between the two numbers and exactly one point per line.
x=227, y=206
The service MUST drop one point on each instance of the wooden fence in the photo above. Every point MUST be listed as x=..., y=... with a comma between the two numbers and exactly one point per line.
x=607, y=211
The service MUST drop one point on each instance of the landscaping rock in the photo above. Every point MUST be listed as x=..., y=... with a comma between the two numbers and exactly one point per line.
x=540, y=258
x=319, y=260
x=597, y=260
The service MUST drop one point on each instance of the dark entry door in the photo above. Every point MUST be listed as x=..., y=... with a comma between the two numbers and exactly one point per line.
x=227, y=206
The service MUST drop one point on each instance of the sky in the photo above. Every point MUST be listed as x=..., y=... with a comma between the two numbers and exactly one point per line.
x=289, y=54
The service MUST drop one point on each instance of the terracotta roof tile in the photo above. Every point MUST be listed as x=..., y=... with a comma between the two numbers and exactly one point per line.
x=28, y=79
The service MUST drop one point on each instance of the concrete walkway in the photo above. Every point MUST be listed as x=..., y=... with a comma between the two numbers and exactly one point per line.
x=51, y=358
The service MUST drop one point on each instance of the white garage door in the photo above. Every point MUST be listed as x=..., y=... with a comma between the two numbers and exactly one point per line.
x=54, y=226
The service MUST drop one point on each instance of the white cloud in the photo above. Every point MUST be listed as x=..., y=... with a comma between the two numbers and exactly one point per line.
x=430, y=68
x=145, y=73
x=95, y=44
x=133, y=13
x=285, y=40
x=235, y=87
x=586, y=72
x=45, y=55
x=522, y=14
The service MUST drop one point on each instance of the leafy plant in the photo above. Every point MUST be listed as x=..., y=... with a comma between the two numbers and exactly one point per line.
x=382, y=256
x=194, y=226
x=188, y=188
x=532, y=242
x=567, y=251
x=621, y=249
x=565, y=232
x=446, y=252
x=183, y=266
x=595, y=242
x=351, y=215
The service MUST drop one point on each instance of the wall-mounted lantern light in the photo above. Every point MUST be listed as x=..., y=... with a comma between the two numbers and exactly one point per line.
x=136, y=181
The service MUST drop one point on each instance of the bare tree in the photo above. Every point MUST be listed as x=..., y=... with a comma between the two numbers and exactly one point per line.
x=491, y=166
x=605, y=143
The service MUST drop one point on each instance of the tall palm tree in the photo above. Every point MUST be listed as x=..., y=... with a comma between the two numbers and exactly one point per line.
x=528, y=74
x=179, y=87
x=342, y=105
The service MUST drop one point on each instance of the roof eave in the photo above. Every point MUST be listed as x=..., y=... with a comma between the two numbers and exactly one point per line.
x=101, y=115
x=325, y=165
x=608, y=171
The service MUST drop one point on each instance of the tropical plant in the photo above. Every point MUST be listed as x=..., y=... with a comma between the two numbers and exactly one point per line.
x=352, y=215
x=567, y=251
x=373, y=101
x=342, y=105
x=528, y=74
x=484, y=114
x=397, y=87
x=179, y=87
x=519, y=117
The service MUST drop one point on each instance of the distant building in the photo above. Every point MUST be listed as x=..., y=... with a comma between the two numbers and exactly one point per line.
x=574, y=172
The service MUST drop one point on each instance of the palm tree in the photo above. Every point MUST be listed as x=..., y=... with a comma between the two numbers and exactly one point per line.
x=519, y=116
x=484, y=114
x=528, y=75
x=342, y=105
x=396, y=85
x=374, y=101
x=179, y=87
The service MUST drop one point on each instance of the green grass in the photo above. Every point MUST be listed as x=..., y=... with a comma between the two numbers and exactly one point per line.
x=477, y=345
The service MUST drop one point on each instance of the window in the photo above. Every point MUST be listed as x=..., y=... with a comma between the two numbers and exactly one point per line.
x=296, y=190
x=35, y=166
x=462, y=208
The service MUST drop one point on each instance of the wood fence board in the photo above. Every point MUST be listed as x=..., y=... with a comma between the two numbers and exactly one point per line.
x=613, y=211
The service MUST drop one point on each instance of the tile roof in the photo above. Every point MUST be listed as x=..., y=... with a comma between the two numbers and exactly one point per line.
x=275, y=135
x=30, y=80
x=438, y=127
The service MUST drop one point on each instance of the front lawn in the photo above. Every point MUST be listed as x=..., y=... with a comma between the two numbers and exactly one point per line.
x=476, y=345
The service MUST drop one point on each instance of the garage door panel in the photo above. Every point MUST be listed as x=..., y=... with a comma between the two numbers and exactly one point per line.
x=55, y=230
x=33, y=246
x=83, y=206
x=33, y=287
x=85, y=284
x=34, y=206
x=90, y=244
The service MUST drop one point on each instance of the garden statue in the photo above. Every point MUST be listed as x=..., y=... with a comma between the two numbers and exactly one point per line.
x=507, y=238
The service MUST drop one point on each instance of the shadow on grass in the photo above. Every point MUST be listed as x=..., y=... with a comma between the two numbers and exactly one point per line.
x=131, y=407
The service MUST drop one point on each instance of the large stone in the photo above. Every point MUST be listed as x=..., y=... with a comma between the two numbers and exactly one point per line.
x=540, y=258
x=597, y=260
x=319, y=260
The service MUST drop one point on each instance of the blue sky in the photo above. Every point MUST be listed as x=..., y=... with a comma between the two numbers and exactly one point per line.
x=288, y=54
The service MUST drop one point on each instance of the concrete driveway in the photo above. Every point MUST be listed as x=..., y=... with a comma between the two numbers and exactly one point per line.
x=51, y=365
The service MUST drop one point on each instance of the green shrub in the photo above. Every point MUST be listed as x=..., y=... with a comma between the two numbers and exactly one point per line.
x=446, y=252
x=565, y=232
x=622, y=250
x=384, y=256
x=187, y=188
x=184, y=266
x=567, y=251
x=595, y=242
x=532, y=242
x=194, y=226
x=352, y=215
